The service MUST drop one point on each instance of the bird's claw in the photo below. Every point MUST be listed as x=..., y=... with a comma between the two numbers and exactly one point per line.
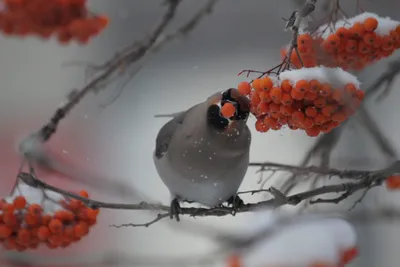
x=175, y=209
x=236, y=202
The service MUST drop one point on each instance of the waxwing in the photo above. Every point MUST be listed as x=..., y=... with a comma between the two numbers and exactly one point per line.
x=202, y=156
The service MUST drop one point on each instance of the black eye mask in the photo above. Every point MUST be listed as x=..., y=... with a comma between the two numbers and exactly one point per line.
x=215, y=119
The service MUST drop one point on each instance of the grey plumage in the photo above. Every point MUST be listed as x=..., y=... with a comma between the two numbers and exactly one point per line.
x=199, y=162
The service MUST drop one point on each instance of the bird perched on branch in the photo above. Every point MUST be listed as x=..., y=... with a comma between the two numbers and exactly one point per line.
x=202, y=156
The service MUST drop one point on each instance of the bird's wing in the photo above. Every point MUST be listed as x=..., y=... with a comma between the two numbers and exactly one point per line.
x=170, y=128
x=165, y=134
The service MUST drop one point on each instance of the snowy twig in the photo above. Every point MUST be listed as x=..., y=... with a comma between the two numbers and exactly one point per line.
x=114, y=258
x=293, y=24
x=369, y=179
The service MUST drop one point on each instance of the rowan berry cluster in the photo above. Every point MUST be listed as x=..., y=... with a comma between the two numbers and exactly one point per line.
x=350, y=44
x=68, y=20
x=305, y=99
x=55, y=223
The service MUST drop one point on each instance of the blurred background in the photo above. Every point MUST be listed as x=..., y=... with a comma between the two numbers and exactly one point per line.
x=117, y=142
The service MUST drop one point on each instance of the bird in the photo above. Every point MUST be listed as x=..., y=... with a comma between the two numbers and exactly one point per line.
x=203, y=157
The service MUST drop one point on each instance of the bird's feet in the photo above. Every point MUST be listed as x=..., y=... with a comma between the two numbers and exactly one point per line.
x=175, y=209
x=236, y=202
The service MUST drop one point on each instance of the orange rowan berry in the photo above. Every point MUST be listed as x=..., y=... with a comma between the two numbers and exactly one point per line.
x=286, y=86
x=337, y=95
x=339, y=116
x=320, y=119
x=326, y=127
x=370, y=38
x=315, y=86
x=297, y=95
x=307, y=123
x=32, y=220
x=333, y=40
x=360, y=94
x=274, y=108
x=64, y=215
x=342, y=33
x=55, y=240
x=348, y=255
x=45, y=220
x=265, y=96
x=81, y=229
x=254, y=101
x=55, y=226
x=310, y=96
x=311, y=112
x=378, y=42
x=328, y=110
x=283, y=120
x=298, y=116
x=261, y=127
x=271, y=122
x=84, y=193
x=393, y=182
x=8, y=207
x=69, y=233
x=35, y=209
x=266, y=83
x=23, y=236
x=103, y=21
x=256, y=84
x=363, y=48
x=350, y=88
x=228, y=110
x=302, y=86
x=244, y=88
x=326, y=89
x=313, y=131
x=286, y=99
x=286, y=110
x=5, y=231
x=234, y=261
x=276, y=94
x=357, y=31
x=387, y=44
x=10, y=219
x=352, y=46
x=305, y=39
x=262, y=108
x=320, y=102
x=370, y=24
x=19, y=202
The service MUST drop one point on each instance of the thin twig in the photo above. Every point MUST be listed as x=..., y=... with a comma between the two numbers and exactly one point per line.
x=370, y=179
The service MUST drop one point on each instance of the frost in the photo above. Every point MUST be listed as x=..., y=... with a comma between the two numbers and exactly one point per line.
x=334, y=76
x=50, y=203
x=385, y=24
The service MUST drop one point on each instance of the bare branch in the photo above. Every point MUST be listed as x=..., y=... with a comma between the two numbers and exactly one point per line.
x=123, y=58
x=369, y=179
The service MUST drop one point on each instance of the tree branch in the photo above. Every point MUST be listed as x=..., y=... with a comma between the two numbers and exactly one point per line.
x=369, y=179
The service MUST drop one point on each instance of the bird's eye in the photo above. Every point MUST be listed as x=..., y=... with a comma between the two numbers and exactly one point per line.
x=215, y=119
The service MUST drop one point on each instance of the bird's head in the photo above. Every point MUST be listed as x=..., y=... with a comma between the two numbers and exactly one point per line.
x=218, y=100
